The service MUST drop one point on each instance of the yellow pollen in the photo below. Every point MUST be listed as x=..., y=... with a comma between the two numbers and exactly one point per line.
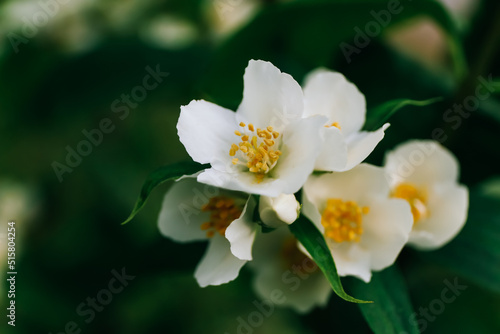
x=335, y=124
x=417, y=199
x=343, y=220
x=258, y=152
x=223, y=211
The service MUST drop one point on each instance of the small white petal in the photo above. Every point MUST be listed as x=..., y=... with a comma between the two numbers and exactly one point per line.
x=278, y=211
x=241, y=232
x=386, y=229
x=361, y=144
x=448, y=206
x=218, y=265
x=207, y=132
x=333, y=156
x=421, y=162
x=269, y=96
x=181, y=216
x=329, y=93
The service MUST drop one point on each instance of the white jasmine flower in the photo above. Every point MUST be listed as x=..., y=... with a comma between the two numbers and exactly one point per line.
x=363, y=227
x=425, y=174
x=330, y=94
x=266, y=147
x=192, y=211
x=278, y=211
x=280, y=266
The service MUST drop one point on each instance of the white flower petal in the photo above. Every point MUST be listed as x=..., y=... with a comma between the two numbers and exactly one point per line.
x=386, y=229
x=448, y=206
x=309, y=208
x=329, y=93
x=351, y=259
x=181, y=216
x=421, y=162
x=269, y=96
x=278, y=211
x=241, y=232
x=207, y=132
x=333, y=156
x=244, y=182
x=302, y=143
x=361, y=144
x=359, y=184
x=218, y=265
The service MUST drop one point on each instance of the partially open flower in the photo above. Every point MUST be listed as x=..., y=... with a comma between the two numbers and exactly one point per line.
x=280, y=266
x=425, y=174
x=278, y=211
x=329, y=94
x=192, y=211
x=363, y=227
x=266, y=147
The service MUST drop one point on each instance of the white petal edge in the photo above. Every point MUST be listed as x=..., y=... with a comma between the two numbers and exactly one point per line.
x=329, y=93
x=207, y=131
x=270, y=97
x=242, y=231
x=448, y=214
x=218, y=265
x=361, y=144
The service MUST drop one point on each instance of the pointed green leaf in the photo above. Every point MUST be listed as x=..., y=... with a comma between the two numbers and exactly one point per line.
x=377, y=116
x=315, y=244
x=161, y=175
x=391, y=311
x=475, y=252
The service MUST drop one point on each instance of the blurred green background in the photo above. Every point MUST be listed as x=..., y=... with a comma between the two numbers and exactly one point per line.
x=62, y=75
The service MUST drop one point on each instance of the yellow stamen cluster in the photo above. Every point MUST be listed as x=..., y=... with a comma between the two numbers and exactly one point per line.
x=223, y=212
x=335, y=124
x=416, y=198
x=257, y=148
x=343, y=220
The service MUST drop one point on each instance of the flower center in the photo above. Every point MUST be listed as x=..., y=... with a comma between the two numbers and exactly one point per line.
x=417, y=199
x=223, y=211
x=257, y=150
x=343, y=220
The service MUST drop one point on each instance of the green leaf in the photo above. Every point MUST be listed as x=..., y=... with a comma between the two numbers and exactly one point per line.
x=391, y=311
x=475, y=252
x=377, y=116
x=315, y=244
x=161, y=175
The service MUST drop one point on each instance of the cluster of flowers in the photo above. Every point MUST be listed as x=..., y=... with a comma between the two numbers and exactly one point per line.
x=285, y=140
